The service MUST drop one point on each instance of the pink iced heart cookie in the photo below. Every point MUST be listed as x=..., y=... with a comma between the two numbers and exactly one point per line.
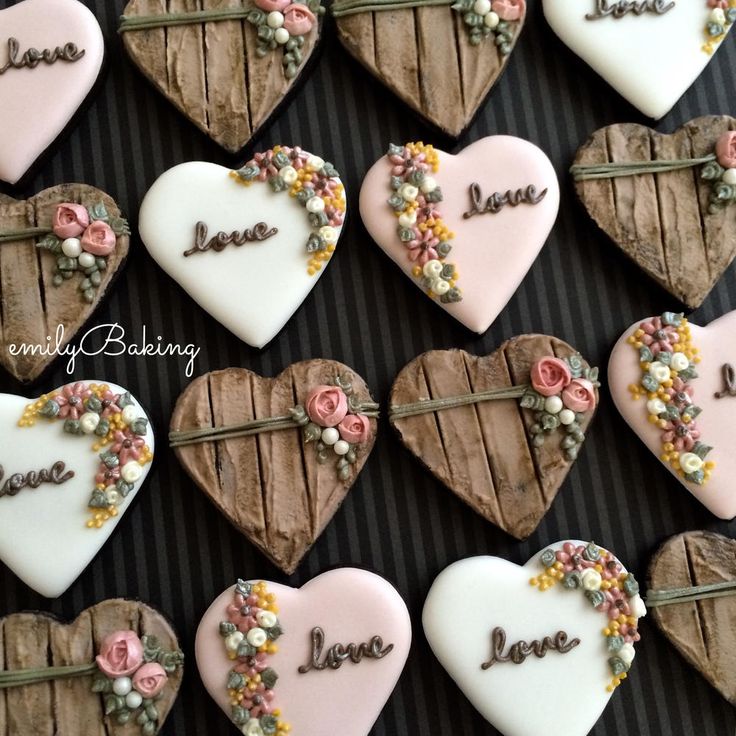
x=674, y=384
x=51, y=54
x=465, y=228
x=321, y=659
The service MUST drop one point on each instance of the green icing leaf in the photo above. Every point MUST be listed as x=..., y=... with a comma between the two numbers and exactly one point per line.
x=269, y=677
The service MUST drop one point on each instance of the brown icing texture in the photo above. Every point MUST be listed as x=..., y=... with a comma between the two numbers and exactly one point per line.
x=729, y=382
x=518, y=652
x=259, y=232
x=620, y=8
x=32, y=57
x=56, y=474
x=339, y=653
x=497, y=201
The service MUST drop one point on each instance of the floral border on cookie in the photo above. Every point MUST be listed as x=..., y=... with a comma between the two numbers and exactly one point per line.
x=498, y=19
x=668, y=358
x=314, y=183
x=420, y=228
x=249, y=636
x=721, y=17
x=721, y=173
x=94, y=410
x=600, y=577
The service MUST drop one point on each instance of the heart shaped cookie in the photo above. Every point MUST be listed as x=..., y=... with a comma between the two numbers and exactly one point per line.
x=442, y=60
x=59, y=253
x=51, y=54
x=277, y=456
x=71, y=463
x=342, y=639
x=116, y=669
x=678, y=224
x=227, y=66
x=250, y=245
x=649, y=51
x=517, y=638
x=674, y=384
x=500, y=431
x=454, y=224
x=701, y=630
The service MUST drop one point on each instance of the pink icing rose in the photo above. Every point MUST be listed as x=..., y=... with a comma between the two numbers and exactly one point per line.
x=726, y=150
x=270, y=5
x=70, y=220
x=509, y=9
x=150, y=680
x=298, y=19
x=121, y=654
x=579, y=395
x=327, y=405
x=549, y=376
x=99, y=239
x=355, y=428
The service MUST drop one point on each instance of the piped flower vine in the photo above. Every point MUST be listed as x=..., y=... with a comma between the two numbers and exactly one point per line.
x=721, y=173
x=314, y=183
x=94, y=410
x=497, y=19
x=721, y=17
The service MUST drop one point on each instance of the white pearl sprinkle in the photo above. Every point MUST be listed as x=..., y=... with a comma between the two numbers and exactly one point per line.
x=408, y=192
x=330, y=436
x=440, y=287
x=257, y=637
x=432, y=269
x=288, y=174
x=72, y=247
x=130, y=414
x=122, y=686
x=315, y=162
x=429, y=184
x=481, y=7
x=234, y=641
x=566, y=416
x=407, y=219
x=112, y=496
x=88, y=422
x=86, y=260
x=553, y=404
x=134, y=700
x=131, y=472
x=718, y=16
x=275, y=19
x=491, y=20
x=329, y=234
x=315, y=204
x=679, y=362
x=729, y=177
x=281, y=36
x=341, y=448
x=656, y=406
x=267, y=619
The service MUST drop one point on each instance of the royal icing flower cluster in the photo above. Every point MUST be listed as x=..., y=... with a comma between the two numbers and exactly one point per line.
x=285, y=24
x=94, y=410
x=420, y=227
x=721, y=173
x=600, y=577
x=721, y=17
x=496, y=18
x=314, y=183
x=133, y=673
x=82, y=240
x=668, y=358
x=562, y=391
x=249, y=636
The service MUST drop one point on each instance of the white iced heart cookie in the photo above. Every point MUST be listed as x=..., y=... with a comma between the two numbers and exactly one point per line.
x=683, y=385
x=71, y=462
x=464, y=228
x=650, y=51
x=316, y=660
x=248, y=245
x=575, y=624
x=51, y=54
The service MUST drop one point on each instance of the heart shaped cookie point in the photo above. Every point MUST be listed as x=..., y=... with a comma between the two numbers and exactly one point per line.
x=455, y=224
x=247, y=245
x=672, y=382
x=51, y=54
x=71, y=463
x=277, y=456
x=267, y=653
x=522, y=413
x=569, y=615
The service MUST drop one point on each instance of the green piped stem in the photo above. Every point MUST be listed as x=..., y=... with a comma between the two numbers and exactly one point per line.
x=350, y=7
x=669, y=597
x=584, y=172
x=21, y=678
x=167, y=20
x=13, y=236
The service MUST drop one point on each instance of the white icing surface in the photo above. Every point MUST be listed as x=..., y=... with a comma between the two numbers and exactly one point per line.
x=44, y=539
x=37, y=104
x=650, y=59
x=558, y=695
x=252, y=289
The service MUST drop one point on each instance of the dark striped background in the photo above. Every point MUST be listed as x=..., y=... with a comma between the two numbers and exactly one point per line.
x=175, y=551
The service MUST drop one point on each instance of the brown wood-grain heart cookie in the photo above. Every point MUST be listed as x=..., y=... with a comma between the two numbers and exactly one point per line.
x=441, y=60
x=284, y=451
x=701, y=630
x=677, y=225
x=125, y=645
x=59, y=252
x=227, y=65
x=501, y=431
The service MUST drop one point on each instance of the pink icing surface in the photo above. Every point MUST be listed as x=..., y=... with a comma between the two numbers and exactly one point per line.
x=350, y=605
x=492, y=253
x=717, y=345
x=37, y=104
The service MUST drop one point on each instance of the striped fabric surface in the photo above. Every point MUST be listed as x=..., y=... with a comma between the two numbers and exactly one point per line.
x=175, y=551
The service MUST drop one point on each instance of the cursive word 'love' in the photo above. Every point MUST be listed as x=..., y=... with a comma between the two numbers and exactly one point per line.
x=497, y=201
x=338, y=653
x=219, y=242
x=33, y=57
x=620, y=8
x=729, y=382
x=518, y=652
x=17, y=482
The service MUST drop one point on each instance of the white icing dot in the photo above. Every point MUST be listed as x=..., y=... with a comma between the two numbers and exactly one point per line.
x=429, y=184
x=257, y=637
x=329, y=234
x=440, y=287
x=659, y=372
x=656, y=406
x=407, y=219
x=72, y=247
x=690, y=462
x=591, y=579
x=122, y=686
x=432, y=269
x=252, y=728
x=553, y=404
x=131, y=472
x=680, y=362
x=134, y=700
x=341, y=447
x=86, y=260
x=491, y=20
x=626, y=653
x=729, y=176
x=267, y=619
x=638, y=608
x=112, y=496
x=281, y=36
x=481, y=7
x=288, y=174
x=718, y=16
x=234, y=641
x=408, y=192
x=330, y=436
x=88, y=422
x=566, y=416
x=315, y=204
x=130, y=414
x=275, y=19
x=315, y=162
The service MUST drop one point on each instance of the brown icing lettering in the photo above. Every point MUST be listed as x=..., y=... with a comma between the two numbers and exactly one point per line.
x=33, y=57
x=497, y=201
x=16, y=483
x=729, y=382
x=338, y=653
x=619, y=8
x=521, y=650
x=220, y=241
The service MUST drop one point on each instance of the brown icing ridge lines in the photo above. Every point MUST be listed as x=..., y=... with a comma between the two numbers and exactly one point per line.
x=424, y=375
x=698, y=607
x=312, y=503
x=264, y=542
x=215, y=445
x=701, y=199
x=656, y=183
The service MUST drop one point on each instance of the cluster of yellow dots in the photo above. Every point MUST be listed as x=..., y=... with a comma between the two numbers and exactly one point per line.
x=612, y=630
x=431, y=157
x=33, y=410
x=712, y=42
